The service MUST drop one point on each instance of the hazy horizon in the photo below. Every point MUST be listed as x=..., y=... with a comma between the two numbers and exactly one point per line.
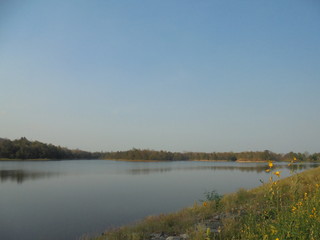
x=209, y=76
x=148, y=149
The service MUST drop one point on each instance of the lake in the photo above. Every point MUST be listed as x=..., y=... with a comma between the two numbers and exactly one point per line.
x=67, y=199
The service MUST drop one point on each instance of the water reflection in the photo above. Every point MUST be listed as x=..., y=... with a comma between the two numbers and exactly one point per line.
x=109, y=193
x=141, y=171
x=257, y=169
x=297, y=167
x=20, y=176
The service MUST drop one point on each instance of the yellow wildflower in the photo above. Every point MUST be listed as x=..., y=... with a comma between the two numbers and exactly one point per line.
x=277, y=239
x=270, y=164
x=277, y=173
x=204, y=204
x=294, y=159
x=268, y=170
x=293, y=209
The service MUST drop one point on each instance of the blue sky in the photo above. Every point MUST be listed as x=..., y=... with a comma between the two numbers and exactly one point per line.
x=172, y=75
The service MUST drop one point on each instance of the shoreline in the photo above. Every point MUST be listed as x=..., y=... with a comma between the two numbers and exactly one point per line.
x=130, y=160
x=218, y=217
x=195, y=160
x=253, y=161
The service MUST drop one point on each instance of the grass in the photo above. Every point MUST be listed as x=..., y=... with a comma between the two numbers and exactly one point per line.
x=277, y=210
x=285, y=209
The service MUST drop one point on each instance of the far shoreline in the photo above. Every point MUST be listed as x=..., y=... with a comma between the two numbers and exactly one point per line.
x=141, y=160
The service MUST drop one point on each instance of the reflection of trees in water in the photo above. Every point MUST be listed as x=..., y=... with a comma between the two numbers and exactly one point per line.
x=235, y=168
x=141, y=171
x=257, y=169
x=297, y=167
x=20, y=176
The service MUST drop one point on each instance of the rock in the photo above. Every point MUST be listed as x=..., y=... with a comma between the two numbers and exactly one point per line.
x=155, y=235
x=184, y=236
x=174, y=238
x=158, y=236
x=213, y=225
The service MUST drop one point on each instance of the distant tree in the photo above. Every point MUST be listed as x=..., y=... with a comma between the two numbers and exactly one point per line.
x=24, y=149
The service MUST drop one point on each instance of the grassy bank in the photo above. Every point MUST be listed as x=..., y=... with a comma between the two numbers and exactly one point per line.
x=280, y=209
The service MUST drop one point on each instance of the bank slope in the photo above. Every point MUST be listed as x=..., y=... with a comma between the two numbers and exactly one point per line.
x=280, y=209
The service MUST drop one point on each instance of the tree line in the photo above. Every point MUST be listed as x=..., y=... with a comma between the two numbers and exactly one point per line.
x=138, y=154
x=24, y=149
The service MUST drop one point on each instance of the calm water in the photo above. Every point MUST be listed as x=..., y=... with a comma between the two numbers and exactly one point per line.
x=66, y=199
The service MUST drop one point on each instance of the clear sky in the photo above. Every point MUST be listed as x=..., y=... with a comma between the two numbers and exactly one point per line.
x=176, y=75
